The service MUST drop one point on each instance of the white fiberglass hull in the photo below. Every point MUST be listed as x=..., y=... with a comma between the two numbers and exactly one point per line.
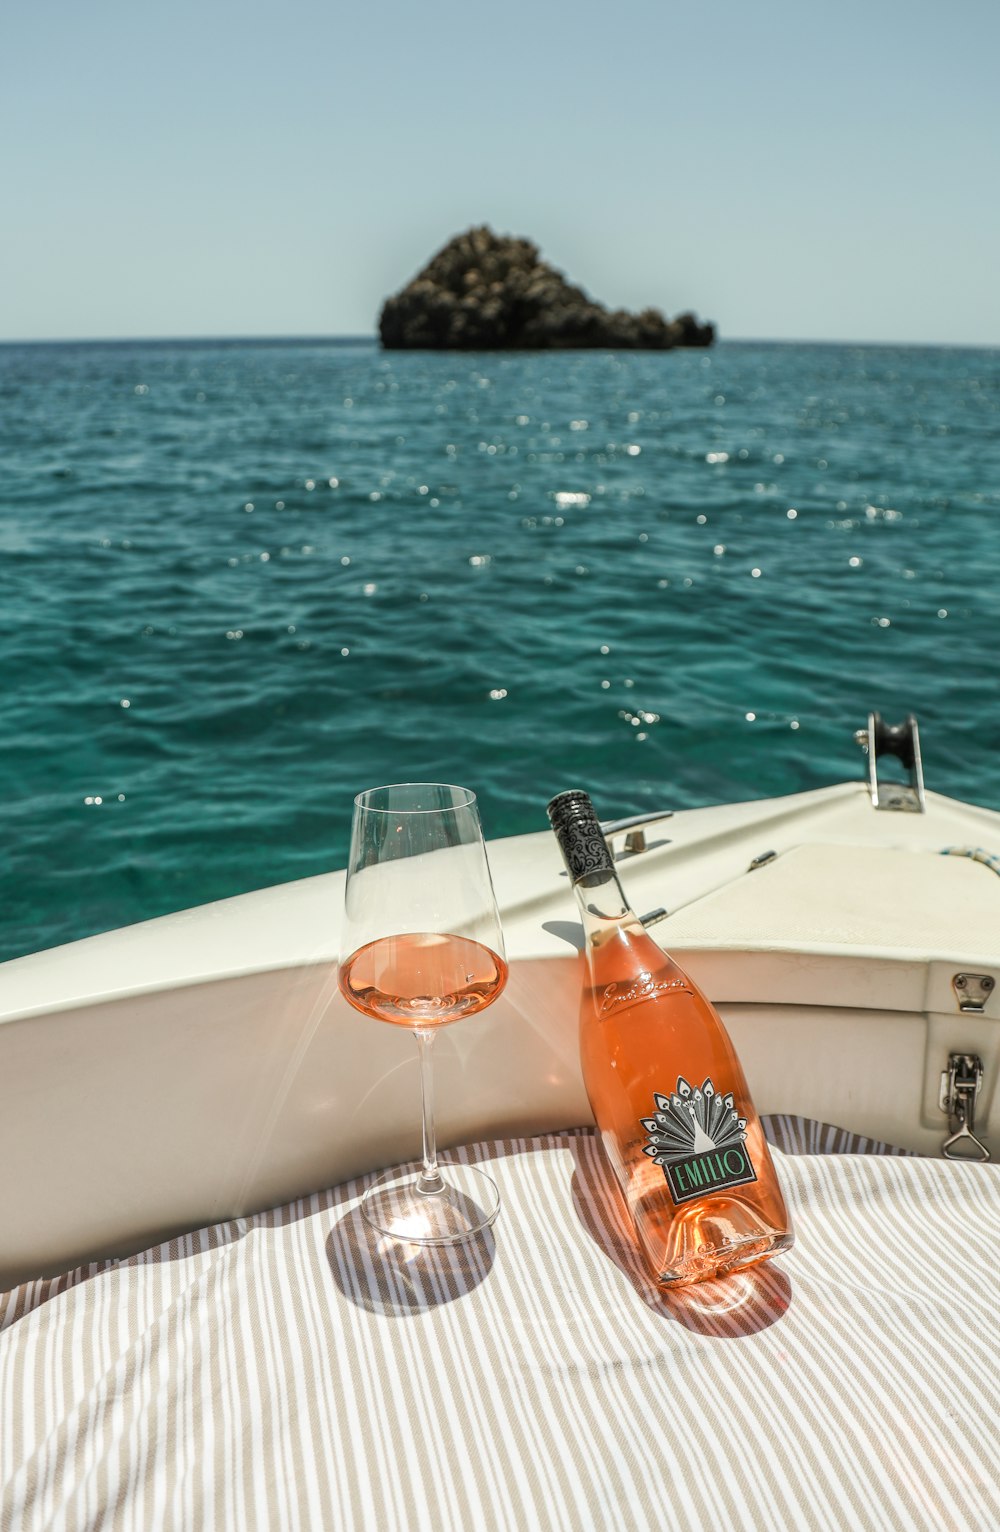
x=203, y=1066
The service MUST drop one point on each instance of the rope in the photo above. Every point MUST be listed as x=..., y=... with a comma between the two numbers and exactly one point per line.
x=977, y=854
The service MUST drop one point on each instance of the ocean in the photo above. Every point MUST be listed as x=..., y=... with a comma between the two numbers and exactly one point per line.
x=243, y=580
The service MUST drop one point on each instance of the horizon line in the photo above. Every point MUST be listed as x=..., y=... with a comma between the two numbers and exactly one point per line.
x=371, y=338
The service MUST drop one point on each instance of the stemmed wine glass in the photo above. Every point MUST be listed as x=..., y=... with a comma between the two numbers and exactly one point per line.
x=422, y=947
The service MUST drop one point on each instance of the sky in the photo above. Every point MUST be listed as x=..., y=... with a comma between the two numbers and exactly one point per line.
x=799, y=170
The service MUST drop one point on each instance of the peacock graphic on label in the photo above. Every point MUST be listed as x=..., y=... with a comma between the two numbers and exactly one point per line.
x=698, y=1139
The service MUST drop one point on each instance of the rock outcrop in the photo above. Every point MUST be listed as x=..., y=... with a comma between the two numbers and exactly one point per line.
x=490, y=292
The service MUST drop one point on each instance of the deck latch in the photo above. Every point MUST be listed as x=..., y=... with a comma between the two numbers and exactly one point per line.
x=972, y=990
x=961, y=1083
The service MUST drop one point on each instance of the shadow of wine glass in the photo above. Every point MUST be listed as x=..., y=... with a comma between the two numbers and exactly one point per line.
x=398, y=1279
x=730, y=1308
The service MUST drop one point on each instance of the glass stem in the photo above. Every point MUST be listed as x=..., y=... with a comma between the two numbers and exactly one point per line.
x=429, y=1183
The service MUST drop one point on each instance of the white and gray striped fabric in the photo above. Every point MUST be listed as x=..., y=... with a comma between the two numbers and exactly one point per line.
x=281, y=1372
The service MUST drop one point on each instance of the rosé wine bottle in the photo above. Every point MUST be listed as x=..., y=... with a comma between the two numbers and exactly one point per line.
x=665, y=1086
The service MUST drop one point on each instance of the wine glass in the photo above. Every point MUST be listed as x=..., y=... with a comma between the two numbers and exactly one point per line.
x=422, y=947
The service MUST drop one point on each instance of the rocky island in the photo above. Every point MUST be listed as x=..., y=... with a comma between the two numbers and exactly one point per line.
x=490, y=292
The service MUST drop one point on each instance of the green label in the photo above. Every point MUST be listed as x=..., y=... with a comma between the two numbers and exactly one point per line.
x=710, y=1172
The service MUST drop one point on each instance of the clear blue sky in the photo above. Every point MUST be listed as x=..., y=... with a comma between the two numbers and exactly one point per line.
x=790, y=170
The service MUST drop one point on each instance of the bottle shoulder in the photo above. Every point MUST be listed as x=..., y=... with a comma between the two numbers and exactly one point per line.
x=630, y=950
x=634, y=971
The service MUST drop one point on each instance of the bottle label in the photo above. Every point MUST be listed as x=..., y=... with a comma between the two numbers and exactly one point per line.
x=698, y=1139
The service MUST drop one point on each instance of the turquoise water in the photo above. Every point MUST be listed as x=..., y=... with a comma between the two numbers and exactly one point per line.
x=242, y=581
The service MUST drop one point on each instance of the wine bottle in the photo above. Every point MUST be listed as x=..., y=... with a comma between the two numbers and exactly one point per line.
x=665, y=1085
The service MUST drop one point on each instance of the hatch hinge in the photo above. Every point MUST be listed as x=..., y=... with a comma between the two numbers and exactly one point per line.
x=961, y=1083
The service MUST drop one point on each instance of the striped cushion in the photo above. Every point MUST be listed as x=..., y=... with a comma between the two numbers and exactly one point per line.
x=279, y=1372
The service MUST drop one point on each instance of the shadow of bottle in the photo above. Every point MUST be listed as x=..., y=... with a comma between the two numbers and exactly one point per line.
x=730, y=1308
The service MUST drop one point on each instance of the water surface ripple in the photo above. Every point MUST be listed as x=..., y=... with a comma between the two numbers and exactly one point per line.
x=242, y=581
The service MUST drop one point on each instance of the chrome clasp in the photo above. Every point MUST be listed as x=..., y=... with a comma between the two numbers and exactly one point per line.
x=961, y=1083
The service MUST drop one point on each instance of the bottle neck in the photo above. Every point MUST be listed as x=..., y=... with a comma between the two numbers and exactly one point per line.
x=590, y=864
x=604, y=908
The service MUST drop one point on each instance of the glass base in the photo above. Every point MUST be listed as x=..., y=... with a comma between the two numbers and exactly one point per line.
x=463, y=1204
